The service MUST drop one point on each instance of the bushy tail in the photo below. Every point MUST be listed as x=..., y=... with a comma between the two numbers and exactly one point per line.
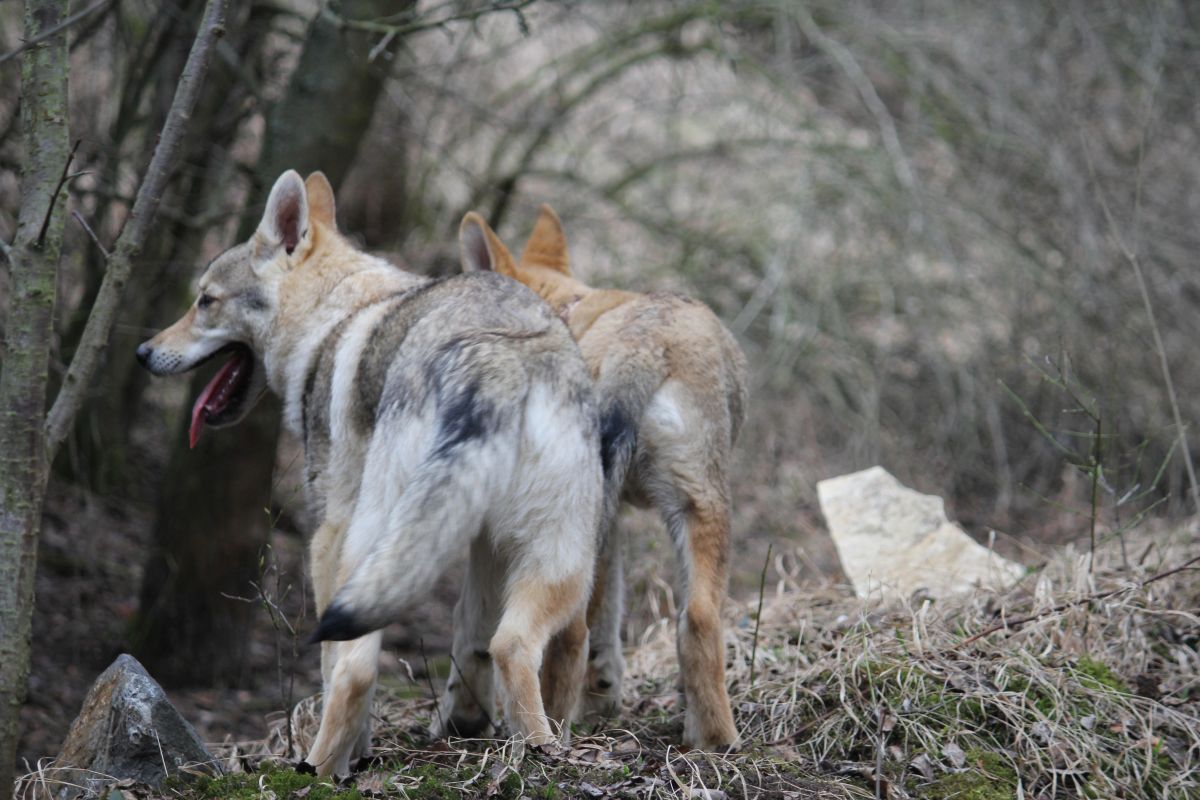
x=622, y=392
x=441, y=509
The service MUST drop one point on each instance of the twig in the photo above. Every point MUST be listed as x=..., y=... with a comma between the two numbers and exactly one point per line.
x=46, y=34
x=62, y=180
x=91, y=233
x=881, y=740
x=381, y=46
x=762, y=582
x=437, y=713
x=471, y=690
x=372, y=26
x=133, y=236
x=1096, y=456
x=161, y=755
x=901, y=166
x=1091, y=598
x=1131, y=256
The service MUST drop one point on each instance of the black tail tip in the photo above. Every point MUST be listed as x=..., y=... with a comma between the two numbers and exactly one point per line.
x=337, y=625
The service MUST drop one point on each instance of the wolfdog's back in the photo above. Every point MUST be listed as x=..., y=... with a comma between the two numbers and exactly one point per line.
x=461, y=399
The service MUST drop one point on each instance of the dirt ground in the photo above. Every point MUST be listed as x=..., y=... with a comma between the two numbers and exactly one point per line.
x=89, y=575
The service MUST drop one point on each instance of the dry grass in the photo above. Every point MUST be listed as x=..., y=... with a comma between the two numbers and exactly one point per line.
x=852, y=699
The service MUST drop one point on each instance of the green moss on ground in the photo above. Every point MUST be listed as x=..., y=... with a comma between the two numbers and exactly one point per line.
x=988, y=777
x=282, y=783
x=1097, y=675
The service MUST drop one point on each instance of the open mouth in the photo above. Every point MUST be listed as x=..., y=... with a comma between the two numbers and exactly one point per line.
x=225, y=394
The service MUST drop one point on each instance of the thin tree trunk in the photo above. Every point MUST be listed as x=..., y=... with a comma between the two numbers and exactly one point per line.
x=33, y=262
x=98, y=330
x=98, y=445
x=212, y=522
x=28, y=434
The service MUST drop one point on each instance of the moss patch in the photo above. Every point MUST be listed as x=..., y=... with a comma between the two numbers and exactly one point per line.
x=988, y=777
x=283, y=783
x=1097, y=675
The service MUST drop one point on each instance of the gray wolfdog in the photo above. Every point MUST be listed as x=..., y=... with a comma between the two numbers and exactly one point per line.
x=437, y=416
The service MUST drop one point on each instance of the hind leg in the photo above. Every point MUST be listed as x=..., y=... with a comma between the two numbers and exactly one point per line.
x=324, y=551
x=701, y=534
x=466, y=706
x=606, y=662
x=535, y=610
x=563, y=672
x=323, y=556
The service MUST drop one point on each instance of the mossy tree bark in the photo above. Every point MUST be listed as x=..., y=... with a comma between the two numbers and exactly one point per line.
x=212, y=522
x=33, y=262
x=29, y=434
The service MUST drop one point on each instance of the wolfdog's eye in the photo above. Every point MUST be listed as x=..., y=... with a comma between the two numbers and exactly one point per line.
x=205, y=301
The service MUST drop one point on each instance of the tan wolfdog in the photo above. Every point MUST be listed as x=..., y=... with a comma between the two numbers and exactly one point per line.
x=670, y=385
x=437, y=416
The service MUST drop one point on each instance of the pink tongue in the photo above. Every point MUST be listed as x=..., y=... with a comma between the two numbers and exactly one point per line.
x=215, y=395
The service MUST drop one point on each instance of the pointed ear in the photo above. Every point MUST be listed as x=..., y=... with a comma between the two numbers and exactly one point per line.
x=321, y=205
x=285, y=219
x=479, y=248
x=547, y=245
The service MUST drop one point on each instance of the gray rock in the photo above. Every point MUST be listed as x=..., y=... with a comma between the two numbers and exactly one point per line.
x=127, y=729
x=893, y=541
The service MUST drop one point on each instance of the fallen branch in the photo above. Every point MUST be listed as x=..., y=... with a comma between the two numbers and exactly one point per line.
x=1091, y=598
x=133, y=235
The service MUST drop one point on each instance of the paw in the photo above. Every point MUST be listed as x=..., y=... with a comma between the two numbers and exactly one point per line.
x=710, y=735
x=459, y=713
x=461, y=723
x=602, y=690
x=362, y=747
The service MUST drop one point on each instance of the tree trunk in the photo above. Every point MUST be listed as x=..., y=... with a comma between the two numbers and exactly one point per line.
x=99, y=454
x=33, y=262
x=212, y=522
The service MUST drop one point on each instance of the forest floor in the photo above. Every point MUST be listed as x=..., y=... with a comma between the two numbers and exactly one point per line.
x=1097, y=695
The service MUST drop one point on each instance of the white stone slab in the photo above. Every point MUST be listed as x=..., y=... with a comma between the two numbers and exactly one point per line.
x=894, y=541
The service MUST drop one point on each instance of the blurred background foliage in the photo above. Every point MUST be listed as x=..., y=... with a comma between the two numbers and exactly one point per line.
x=923, y=219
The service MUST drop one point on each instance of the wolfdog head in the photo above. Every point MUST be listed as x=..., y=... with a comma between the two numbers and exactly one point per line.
x=237, y=303
x=543, y=266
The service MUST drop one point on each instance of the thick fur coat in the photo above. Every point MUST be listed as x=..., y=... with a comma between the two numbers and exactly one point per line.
x=671, y=388
x=438, y=417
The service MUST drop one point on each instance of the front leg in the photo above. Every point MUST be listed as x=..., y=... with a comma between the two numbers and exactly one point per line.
x=345, y=713
x=466, y=707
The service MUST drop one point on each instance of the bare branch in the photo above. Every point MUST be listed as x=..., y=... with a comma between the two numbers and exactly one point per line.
x=137, y=228
x=91, y=233
x=1012, y=624
x=394, y=30
x=1130, y=255
x=62, y=26
x=62, y=180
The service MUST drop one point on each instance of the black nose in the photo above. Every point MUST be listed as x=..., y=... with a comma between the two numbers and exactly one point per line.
x=143, y=353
